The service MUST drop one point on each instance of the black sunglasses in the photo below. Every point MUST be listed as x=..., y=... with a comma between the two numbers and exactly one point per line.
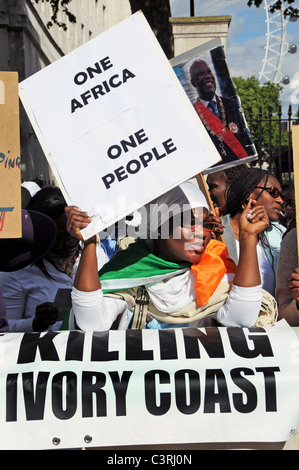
x=274, y=192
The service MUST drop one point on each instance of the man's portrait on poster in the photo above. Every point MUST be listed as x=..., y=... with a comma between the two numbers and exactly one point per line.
x=207, y=81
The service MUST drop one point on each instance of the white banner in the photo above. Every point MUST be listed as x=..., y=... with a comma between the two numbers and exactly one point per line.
x=142, y=387
x=115, y=123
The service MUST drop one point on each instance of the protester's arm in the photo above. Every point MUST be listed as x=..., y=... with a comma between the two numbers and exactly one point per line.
x=287, y=280
x=91, y=309
x=244, y=301
x=253, y=221
x=293, y=286
x=242, y=307
x=87, y=279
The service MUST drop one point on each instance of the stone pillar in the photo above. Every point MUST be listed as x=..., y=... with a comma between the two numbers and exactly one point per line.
x=196, y=30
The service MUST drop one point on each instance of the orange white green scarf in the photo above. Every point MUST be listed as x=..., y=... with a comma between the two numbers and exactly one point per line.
x=137, y=266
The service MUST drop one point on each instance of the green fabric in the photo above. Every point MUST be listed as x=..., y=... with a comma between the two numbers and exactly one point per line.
x=133, y=267
x=136, y=266
x=65, y=324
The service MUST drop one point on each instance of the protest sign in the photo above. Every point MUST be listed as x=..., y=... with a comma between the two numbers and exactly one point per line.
x=143, y=387
x=10, y=172
x=205, y=77
x=115, y=123
x=295, y=142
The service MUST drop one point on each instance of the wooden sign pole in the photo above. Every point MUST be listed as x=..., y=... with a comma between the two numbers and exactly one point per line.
x=204, y=188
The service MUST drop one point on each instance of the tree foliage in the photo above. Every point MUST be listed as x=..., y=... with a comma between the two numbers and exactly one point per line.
x=254, y=95
x=57, y=5
x=289, y=11
x=157, y=13
x=260, y=103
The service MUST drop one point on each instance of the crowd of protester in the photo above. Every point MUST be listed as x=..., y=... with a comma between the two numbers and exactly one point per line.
x=234, y=264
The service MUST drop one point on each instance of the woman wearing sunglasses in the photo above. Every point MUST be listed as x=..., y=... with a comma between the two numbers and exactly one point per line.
x=175, y=274
x=261, y=186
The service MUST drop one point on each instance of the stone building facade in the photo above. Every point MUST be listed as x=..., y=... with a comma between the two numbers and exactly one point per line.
x=27, y=45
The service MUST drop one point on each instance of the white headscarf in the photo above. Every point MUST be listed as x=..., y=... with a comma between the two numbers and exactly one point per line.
x=31, y=186
x=182, y=198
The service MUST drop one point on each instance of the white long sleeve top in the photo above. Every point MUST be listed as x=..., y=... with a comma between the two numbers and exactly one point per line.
x=94, y=311
x=27, y=288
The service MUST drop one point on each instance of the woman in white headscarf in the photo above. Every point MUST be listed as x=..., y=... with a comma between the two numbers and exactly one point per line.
x=174, y=275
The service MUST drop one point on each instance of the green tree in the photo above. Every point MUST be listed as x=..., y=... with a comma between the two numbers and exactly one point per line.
x=290, y=11
x=56, y=6
x=261, y=102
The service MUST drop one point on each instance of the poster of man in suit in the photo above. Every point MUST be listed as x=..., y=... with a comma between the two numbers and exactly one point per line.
x=204, y=74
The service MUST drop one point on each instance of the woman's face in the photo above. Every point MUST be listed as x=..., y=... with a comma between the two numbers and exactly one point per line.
x=188, y=239
x=272, y=204
x=217, y=185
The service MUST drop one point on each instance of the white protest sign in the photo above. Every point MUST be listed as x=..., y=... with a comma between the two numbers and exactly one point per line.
x=115, y=123
x=145, y=387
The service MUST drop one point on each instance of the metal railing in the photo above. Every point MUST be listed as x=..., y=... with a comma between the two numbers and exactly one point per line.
x=272, y=135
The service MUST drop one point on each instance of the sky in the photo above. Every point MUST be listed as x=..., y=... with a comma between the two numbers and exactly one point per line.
x=246, y=41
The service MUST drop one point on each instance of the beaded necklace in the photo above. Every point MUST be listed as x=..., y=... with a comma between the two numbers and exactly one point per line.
x=220, y=136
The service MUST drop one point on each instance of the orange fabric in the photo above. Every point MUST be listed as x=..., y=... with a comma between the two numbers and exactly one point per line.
x=216, y=125
x=214, y=263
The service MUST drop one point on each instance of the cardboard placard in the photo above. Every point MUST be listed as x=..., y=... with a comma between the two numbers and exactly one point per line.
x=10, y=172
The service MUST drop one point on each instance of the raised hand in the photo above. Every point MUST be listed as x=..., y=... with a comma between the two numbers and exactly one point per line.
x=254, y=218
x=76, y=221
x=46, y=314
x=293, y=285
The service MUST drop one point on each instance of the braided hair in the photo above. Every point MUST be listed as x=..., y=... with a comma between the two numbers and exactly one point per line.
x=233, y=171
x=241, y=187
x=239, y=191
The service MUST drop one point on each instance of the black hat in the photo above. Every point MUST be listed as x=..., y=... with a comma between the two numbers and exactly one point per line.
x=38, y=236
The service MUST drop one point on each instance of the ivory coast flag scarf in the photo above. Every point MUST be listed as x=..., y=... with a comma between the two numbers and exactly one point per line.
x=137, y=266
